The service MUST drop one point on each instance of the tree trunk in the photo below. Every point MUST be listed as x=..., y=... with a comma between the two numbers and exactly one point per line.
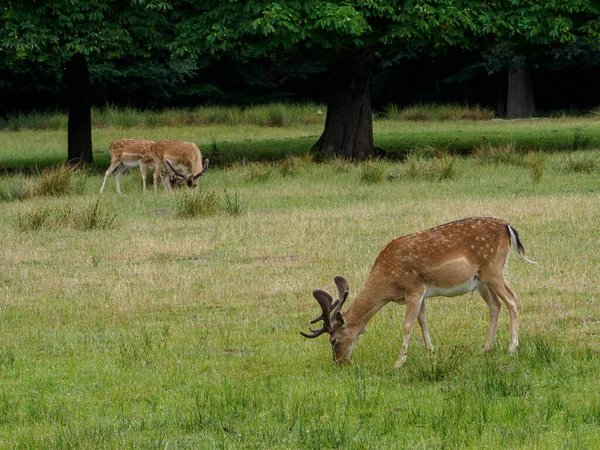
x=348, y=129
x=520, y=101
x=78, y=91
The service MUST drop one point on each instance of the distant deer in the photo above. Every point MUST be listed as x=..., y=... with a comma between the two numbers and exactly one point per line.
x=128, y=153
x=178, y=155
x=448, y=260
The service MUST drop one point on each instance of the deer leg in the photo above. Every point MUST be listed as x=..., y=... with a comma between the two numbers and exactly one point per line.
x=114, y=165
x=413, y=307
x=502, y=290
x=421, y=317
x=143, y=174
x=157, y=172
x=118, y=173
x=494, y=305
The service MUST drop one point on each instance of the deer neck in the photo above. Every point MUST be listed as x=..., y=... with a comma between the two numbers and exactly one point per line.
x=365, y=305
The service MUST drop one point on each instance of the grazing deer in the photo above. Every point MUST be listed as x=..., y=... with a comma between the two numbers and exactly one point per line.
x=127, y=153
x=176, y=155
x=448, y=260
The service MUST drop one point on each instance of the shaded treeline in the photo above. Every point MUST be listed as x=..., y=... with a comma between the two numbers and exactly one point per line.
x=457, y=77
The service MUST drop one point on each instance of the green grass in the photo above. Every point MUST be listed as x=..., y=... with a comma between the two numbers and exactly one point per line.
x=162, y=331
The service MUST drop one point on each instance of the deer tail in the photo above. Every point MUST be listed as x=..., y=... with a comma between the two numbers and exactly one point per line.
x=516, y=244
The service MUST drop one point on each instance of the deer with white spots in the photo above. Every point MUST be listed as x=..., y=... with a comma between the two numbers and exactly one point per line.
x=448, y=260
x=128, y=153
x=176, y=155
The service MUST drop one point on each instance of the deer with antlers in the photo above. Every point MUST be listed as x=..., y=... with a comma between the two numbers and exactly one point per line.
x=178, y=155
x=448, y=260
x=128, y=153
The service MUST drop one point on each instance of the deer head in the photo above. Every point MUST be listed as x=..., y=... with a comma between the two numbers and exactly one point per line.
x=342, y=342
x=192, y=179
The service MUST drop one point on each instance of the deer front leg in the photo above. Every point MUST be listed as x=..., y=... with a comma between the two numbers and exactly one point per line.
x=114, y=165
x=413, y=307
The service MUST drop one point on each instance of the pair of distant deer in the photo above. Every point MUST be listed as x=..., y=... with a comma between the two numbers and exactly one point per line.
x=174, y=155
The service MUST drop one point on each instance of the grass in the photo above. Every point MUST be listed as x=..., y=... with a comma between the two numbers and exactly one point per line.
x=161, y=331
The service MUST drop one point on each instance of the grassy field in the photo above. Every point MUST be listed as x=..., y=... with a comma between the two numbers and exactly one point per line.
x=125, y=325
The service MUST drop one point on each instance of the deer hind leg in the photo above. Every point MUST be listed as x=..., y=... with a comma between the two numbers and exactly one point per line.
x=114, y=165
x=494, y=304
x=122, y=168
x=413, y=308
x=501, y=289
x=422, y=318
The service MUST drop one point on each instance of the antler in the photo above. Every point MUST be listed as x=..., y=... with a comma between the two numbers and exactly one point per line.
x=175, y=171
x=204, y=167
x=329, y=307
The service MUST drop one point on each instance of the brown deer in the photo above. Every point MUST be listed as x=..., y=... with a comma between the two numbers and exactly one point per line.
x=128, y=153
x=448, y=260
x=178, y=155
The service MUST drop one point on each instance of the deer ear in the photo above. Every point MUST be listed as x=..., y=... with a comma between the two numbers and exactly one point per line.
x=339, y=318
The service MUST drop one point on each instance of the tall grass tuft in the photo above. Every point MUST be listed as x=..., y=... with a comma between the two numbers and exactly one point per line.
x=16, y=188
x=93, y=217
x=233, y=205
x=488, y=153
x=580, y=163
x=440, y=168
x=194, y=203
x=440, y=366
x=33, y=219
x=258, y=172
x=536, y=162
x=55, y=181
x=371, y=171
x=579, y=141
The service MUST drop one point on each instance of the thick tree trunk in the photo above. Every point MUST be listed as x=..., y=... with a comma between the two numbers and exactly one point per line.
x=78, y=91
x=520, y=102
x=348, y=129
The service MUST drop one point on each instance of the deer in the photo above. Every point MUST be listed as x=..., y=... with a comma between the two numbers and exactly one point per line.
x=128, y=153
x=449, y=260
x=178, y=155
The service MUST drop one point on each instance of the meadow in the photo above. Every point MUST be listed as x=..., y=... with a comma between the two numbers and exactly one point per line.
x=173, y=320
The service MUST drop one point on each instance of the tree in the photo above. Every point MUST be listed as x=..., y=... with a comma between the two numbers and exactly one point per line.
x=523, y=35
x=75, y=33
x=350, y=37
